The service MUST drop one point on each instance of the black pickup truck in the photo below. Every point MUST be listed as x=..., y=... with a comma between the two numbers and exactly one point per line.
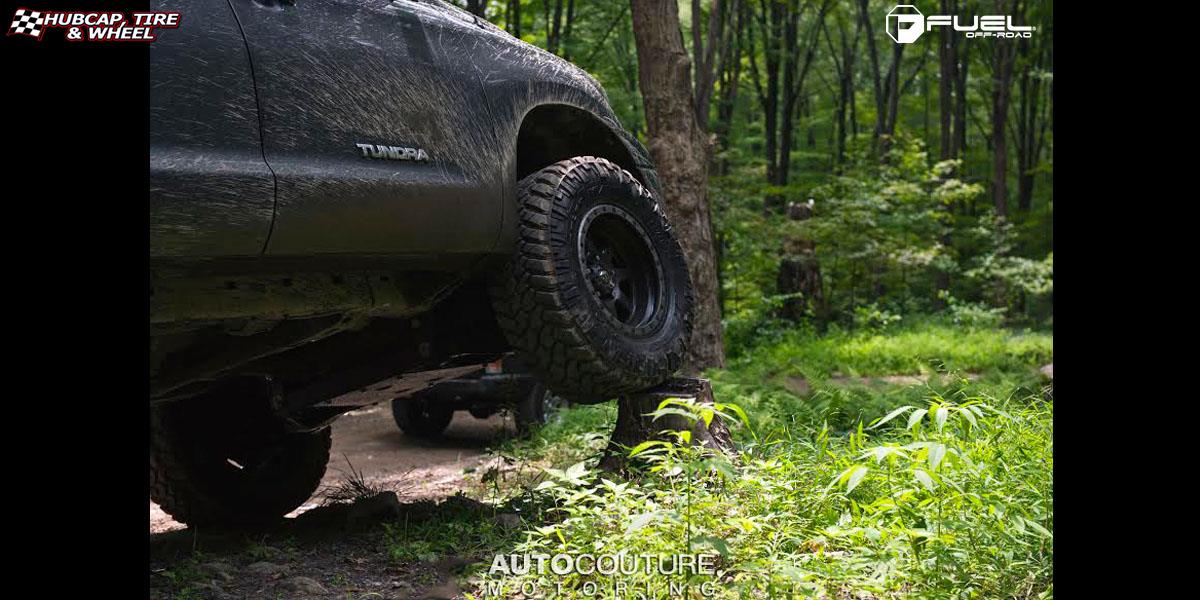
x=352, y=200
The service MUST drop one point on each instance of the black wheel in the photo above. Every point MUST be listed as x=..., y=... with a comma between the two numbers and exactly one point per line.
x=535, y=408
x=597, y=293
x=204, y=472
x=421, y=415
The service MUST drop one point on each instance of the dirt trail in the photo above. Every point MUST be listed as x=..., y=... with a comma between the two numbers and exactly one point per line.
x=801, y=386
x=416, y=469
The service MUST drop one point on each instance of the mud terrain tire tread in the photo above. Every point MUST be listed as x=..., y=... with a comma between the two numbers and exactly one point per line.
x=429, y=425
x=538, y=309
x=530, y=411
x=175, y=484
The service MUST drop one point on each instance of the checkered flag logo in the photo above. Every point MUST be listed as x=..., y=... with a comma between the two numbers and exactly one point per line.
x=27, y=22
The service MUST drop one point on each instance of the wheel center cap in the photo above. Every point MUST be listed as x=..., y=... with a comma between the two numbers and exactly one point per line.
x=620, y=268
x=603, y=281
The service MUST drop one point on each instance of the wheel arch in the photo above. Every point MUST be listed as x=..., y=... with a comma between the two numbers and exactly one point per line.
x=552, y=132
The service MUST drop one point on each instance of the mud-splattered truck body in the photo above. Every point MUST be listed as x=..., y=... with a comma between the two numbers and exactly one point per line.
x=351, y=200
x=320, y=164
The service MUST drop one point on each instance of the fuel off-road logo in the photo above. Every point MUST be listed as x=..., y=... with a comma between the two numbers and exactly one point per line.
x=905, y=24
x=93, y=26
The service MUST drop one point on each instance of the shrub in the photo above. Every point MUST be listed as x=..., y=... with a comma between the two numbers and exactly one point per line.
x=949, y=498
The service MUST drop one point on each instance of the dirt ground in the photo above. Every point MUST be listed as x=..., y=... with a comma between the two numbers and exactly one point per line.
x=416, y=469
x=801, y=386
x=338, y=551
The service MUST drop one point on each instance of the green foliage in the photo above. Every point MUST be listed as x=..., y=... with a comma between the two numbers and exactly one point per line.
x=951, y=497
x=893, y=227
x=972, y=315
x=455, y=527
x=880, y=231
x=185, y=575
x=918, y=347
x=568, y=437
x=936, y=487
x=873, y=318
x=1008, y=280
x=879, y=227
x=939, y=488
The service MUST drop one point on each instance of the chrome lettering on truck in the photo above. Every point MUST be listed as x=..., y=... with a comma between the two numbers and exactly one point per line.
x=393, y=152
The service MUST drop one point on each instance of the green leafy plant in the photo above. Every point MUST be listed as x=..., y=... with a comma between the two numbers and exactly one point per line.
x=948, y=494
x=872, y=317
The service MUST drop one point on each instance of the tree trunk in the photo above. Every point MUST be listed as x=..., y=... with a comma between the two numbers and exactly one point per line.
x=1004, y=55
x=625, y=52
x=866, y=17
x=515, y=22
x=634, y=427
x=1031, y=121
x=843, y=62
x=846, y=89
x=800, y=273
x=960, y=95
x=795, y=73
x=770, y=29
x=947, y=76
x=679, y=150
x=553, y=25
x=566, y=35
x=810, y=136
x=893, y=92
x=787, y=113
x=853, y=102
x=887, y=88
x=729, y=73
x=781, y=50
x=703, y=55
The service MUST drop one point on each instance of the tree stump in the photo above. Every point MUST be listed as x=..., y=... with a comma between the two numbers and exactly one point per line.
x=1047, y=373
x=634, y=426
x=800, y=272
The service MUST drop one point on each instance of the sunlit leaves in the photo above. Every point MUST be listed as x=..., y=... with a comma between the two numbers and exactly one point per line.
x=851, y=477
x=915, y=417
x=891, y=415
x=924, y=478
x=927, y=496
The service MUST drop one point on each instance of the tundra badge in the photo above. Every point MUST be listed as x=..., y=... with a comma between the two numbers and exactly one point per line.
x=392, y=152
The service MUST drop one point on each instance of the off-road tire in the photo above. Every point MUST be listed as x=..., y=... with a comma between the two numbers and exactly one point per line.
x=199, y=488
x=421, y=415
x=547, y=304
x=535, y=409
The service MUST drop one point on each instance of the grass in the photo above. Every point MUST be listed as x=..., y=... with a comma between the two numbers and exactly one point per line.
x=920, y=347
x=941, y=489
x=187, y=577
x=457, y=526
x=353, y=487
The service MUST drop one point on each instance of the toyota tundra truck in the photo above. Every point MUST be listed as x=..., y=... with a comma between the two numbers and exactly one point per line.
x=353, y=200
